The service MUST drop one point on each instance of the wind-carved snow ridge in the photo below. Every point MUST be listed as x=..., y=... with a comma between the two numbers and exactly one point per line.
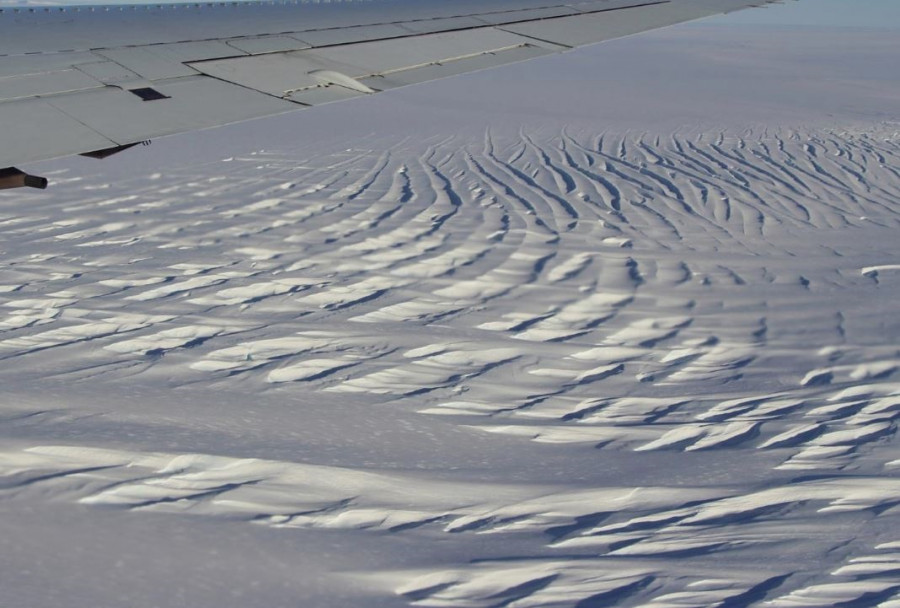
x=679, y=351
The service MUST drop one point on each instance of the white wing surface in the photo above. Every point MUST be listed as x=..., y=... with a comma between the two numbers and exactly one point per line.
x=95, y=79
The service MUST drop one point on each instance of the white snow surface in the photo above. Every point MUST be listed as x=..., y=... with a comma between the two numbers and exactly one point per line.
x=528, y=365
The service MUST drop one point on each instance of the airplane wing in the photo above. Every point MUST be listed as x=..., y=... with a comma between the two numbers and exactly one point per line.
x=95, y=80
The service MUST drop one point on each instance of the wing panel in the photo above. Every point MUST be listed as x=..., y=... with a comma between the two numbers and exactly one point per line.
x=597, y=27
x=347, y=35
x=385, y=56
x=274, y=74
x=267, y=44
x=430, y=26
x=196, y=102
x=323, y=94
x=282, y=74
x=46, y=83
x=146, y=63
x=597, y=6
x=83, y=28
x=35, y=130
x=195, y=51
x=453, y=68
x=37, y=64
x=110, y=72
x=526, y=15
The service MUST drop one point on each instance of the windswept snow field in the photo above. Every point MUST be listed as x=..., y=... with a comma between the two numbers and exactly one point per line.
x=525, y=365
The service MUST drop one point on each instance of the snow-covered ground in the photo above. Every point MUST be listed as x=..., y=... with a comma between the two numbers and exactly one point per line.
x=629, y=339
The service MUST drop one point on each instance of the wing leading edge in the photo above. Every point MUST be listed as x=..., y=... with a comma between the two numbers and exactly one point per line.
x=96, y=80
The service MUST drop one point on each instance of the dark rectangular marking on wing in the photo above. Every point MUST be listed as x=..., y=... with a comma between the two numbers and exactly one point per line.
x=148, y=94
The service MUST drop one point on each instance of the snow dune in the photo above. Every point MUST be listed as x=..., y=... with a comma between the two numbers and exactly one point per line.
x=530, y=369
